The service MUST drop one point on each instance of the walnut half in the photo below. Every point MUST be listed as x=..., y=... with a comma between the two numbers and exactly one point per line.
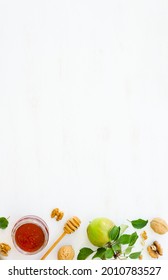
x=4, y=248
x=57, y=214
x=155, y=250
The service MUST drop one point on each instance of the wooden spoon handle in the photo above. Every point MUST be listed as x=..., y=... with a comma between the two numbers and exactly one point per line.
x=53, y=246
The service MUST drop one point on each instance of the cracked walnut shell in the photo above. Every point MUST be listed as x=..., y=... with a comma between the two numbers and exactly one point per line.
x=159, y=226
x=155, y=250
x=66, y=253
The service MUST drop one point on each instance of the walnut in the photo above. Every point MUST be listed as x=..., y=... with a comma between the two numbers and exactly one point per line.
x=4, y=248
x=140, y=257
x=144, y=237
x=159, y=225
x=57, y=214
x=66, y=253
x=155, y=250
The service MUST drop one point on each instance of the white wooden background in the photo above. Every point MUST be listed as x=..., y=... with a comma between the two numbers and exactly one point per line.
x=83, y=112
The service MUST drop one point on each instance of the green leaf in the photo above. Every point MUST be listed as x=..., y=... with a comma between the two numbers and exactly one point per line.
x=3, y=223
x=84, y=253
x=109, y=253
x=128, y=250
x=114, y=233
x=135, y=255
x=100, y=253
x=133, y=239
x=139, y=223
x=123, y=229
x=116, y=247
x=124, y=239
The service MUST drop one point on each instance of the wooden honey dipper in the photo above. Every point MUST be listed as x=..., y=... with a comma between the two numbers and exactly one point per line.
x=71, y=225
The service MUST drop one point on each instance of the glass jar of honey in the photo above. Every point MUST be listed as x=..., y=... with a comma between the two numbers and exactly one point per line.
x=30, y=235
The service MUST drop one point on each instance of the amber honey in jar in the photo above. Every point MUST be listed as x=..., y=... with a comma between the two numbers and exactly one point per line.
x=30, y=235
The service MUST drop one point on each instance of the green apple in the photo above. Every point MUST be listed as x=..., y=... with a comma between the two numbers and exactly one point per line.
x=98, y=230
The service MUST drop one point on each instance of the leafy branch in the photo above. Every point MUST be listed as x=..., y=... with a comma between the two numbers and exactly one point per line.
x=115, y=248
